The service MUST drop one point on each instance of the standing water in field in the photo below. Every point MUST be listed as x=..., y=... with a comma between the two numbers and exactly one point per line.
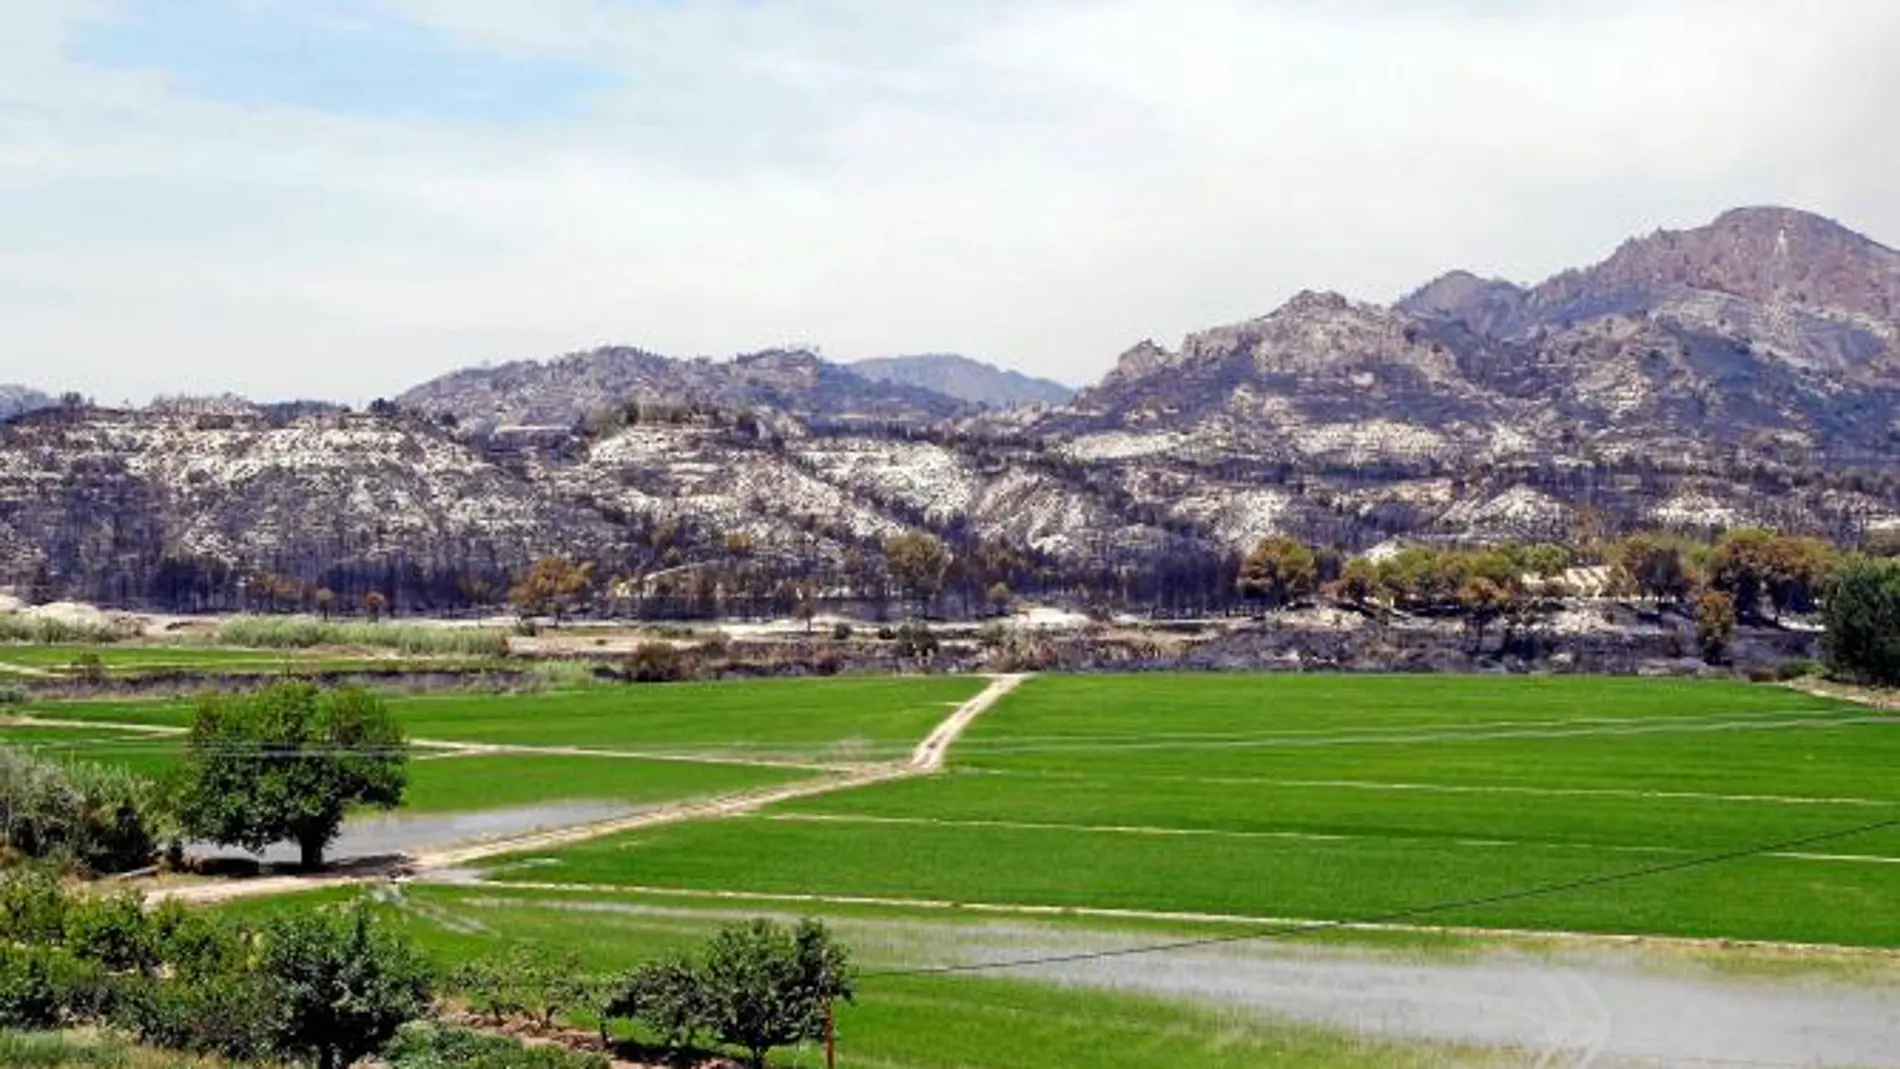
x=1586, y=1008
x=381, y=835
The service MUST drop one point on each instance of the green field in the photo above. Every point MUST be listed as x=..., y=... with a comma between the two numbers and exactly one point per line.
x=817, y=719
x=913, y=1022
x=451, y=784
x=1346, y=798
x=704, y=725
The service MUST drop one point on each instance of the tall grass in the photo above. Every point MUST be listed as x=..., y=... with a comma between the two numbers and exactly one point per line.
x=298, y=633
x=51, y=631
x=53, y=1050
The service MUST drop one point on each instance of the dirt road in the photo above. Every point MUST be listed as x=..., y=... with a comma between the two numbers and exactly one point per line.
x=928, y=758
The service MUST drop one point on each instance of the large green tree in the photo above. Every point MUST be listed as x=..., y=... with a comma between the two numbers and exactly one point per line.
x=287, y=764
x=1862, y=612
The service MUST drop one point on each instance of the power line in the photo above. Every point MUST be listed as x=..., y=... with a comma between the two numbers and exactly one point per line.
x=1395, y=916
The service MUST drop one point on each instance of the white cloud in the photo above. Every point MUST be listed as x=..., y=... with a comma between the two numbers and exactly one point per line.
x=1040, y=183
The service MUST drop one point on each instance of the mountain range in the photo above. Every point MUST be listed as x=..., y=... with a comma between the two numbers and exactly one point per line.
x=965, y=379
x=16, y=399
x=1743, y=372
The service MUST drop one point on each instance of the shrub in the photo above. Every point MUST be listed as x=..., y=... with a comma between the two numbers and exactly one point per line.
x=32, y=907
x=763, y=986
x=226, y=1016
x=341, y=985
x=915, y=640
x=656, y=662
x=89, y=667
x=1799, y=668
x=13, y=694
x=44, y=987
x=194, y=944
x=1862, y=613
x=120, y=818
x=666, y=996
x=114, y=932
x=429, y=1046
x=489, y=987
x=841, y=631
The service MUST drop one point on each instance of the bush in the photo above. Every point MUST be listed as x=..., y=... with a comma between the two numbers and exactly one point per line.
x=1862, y=613
x=762, y=986
x=1799, y=668
x=89, y=667
x=656, y=662
x=340, y=984
x=229, y=1016
x=430, y=1046
x=195, y=944
x=489, y=987
x=44, y=987
x=841, y=631
x=99, y=818
x=115, y=932
x=32, y=907
x=297, y=633
x=667, y=997
x=915, y=640
x=14, y=694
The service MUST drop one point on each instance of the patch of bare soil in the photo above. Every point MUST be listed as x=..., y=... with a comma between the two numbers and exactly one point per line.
x=1876, y=697
x=619, y=1055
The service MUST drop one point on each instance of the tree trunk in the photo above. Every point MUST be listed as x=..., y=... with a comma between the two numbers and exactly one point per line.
x=310, y=845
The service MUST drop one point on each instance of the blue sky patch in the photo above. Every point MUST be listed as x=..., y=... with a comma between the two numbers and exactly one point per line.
x=340, y=56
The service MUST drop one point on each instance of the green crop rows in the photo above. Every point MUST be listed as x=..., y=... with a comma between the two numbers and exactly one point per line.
x=1349, y=798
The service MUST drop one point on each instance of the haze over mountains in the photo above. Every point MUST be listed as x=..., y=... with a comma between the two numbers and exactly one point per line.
x=965, y=379
x=1743, y=372
x=16, y=399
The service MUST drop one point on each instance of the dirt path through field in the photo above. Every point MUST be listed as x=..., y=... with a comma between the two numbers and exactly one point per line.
x=926, y=759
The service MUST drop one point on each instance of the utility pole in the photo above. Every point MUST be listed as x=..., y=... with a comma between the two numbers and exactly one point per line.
x=831, y=1036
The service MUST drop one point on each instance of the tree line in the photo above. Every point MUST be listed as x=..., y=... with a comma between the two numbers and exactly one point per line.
x=328, y=987
x=1748, y=575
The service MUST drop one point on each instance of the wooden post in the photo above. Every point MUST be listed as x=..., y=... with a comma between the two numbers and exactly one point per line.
x=831, y=1037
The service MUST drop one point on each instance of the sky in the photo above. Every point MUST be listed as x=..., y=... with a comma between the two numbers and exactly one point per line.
x=342, y=198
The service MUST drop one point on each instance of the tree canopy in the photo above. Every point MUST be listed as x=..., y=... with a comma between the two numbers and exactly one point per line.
x=341, y=984
x=1862, y=613
x=287, y=764
x=1279, y=571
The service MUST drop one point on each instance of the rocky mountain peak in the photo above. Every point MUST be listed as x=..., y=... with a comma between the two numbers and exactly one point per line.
x=1773, y=255
x=1487, y=305
x=1145, y=358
